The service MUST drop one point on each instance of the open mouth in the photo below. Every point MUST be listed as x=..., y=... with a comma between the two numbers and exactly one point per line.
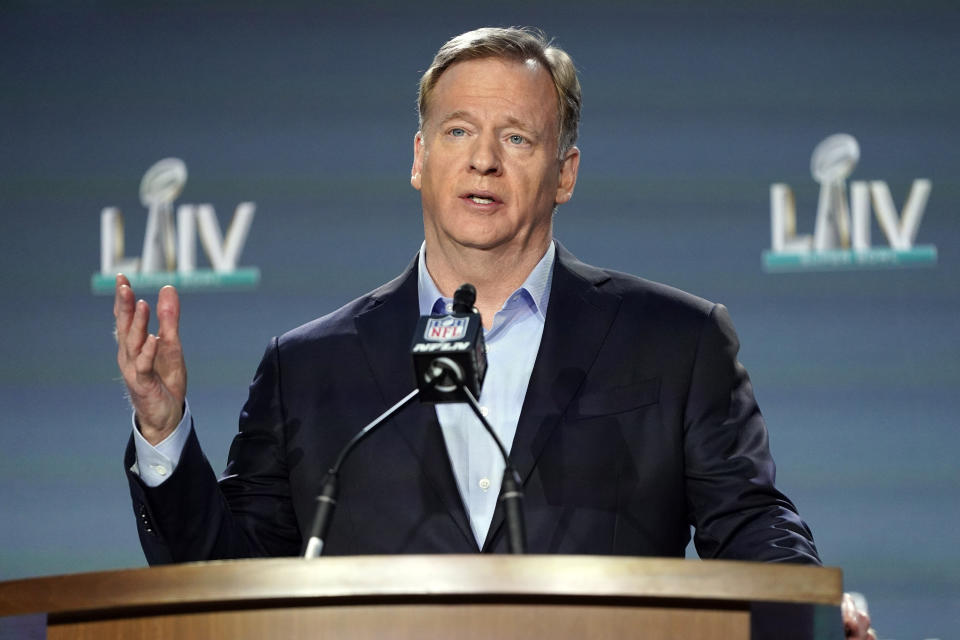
x=482, y=197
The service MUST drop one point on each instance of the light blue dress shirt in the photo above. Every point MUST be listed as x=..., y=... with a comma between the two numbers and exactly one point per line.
x=512, y=346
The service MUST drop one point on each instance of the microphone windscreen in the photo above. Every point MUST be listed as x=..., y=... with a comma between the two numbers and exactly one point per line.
x=464, y=298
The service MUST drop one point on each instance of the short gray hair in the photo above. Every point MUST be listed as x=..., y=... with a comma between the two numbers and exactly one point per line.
x=512, y=43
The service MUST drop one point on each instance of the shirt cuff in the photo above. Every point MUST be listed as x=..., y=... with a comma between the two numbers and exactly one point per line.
x=154, y=464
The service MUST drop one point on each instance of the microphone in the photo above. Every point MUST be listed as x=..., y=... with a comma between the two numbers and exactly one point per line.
x=457, y=337
x=327, y=500
x=510, y=493
x=464, y=297
x=450, y=362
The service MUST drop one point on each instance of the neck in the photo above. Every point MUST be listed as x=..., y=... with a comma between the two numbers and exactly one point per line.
x=496, y=273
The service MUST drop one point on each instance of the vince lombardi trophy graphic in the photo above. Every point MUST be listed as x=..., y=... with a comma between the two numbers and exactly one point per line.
x=832, y=162
x=161, y=185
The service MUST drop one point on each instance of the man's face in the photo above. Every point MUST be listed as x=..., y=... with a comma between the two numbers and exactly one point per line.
x=486, y=161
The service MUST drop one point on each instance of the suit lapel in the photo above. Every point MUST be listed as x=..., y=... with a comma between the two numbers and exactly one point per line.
x=392, y=312
x=579, y=316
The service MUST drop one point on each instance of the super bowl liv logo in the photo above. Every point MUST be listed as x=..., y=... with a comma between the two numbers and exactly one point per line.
x=169, y=254
x=841, y=236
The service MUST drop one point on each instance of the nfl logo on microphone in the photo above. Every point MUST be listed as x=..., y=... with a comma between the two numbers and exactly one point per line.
x=445, y=329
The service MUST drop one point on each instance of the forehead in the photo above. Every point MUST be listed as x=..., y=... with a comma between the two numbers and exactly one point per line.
x=496, y=86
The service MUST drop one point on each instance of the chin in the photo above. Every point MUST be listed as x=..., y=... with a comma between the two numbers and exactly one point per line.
x=478, y=236
x=480, y=244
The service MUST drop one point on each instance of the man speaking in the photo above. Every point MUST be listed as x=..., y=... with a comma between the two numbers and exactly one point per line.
x=626, y=412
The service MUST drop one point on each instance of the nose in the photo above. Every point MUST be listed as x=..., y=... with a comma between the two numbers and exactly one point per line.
x=485, y=156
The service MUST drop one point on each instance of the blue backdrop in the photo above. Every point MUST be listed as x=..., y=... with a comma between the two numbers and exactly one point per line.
x=690, y=113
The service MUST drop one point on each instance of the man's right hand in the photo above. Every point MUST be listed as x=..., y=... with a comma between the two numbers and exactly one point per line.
x=152, y=365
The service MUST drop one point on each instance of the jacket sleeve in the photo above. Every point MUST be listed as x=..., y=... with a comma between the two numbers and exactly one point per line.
x=248, y=513
x=735, y=508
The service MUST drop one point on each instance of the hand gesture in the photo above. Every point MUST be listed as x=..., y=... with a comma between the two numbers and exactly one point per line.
x=152, y=365
x=856, y=621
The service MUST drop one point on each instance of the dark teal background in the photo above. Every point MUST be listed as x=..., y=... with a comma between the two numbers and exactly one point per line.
x=690, y=112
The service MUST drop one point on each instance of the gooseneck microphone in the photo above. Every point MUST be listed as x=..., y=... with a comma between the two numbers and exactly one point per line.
x=463, y=299
x=511, y=496
x=327, y=499
x=450, y=363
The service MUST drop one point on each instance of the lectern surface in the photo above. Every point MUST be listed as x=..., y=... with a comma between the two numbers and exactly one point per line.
x=429, y=596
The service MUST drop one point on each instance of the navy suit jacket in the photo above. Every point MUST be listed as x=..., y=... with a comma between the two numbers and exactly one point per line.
x=638, y=422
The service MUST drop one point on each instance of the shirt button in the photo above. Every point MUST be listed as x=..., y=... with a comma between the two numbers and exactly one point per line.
x=484, y=411
x=484, y=483
x=160, y=469
x=449, y=307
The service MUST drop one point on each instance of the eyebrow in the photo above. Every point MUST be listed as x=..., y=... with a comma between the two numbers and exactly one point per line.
x=456, y=115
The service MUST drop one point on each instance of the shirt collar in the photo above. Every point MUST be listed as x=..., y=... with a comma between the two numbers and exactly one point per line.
x=535, y=289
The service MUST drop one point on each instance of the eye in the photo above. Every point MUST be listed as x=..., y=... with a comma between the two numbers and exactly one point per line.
x=457, y=132
x=516, y=138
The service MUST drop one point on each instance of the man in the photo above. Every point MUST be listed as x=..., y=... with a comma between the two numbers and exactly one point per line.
x=629, y=415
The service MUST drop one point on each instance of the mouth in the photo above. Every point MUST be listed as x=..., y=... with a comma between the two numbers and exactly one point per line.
x=481, y=197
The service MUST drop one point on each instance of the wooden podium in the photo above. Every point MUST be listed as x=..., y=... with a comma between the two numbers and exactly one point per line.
x=461, y=597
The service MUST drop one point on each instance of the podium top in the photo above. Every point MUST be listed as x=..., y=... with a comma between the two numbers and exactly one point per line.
x=371, y=579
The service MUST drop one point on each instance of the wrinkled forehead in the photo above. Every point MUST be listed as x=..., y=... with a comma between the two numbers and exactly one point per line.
x=527, y=84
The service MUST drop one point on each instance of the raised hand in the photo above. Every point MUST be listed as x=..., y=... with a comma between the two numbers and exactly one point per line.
x=856, y=621
x=152, y=365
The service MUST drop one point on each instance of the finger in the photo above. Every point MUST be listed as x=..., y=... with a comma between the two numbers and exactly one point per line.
x=858, y=626
x=168, y=315
x=121, y=282
x=849, y=614
x=123, y=307
x=137, y=334
x=146, y=357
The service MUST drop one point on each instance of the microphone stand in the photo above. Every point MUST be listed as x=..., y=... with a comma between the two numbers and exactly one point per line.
x=446, y=375
x=445, y=371
x=510, y=494
x=327, y=500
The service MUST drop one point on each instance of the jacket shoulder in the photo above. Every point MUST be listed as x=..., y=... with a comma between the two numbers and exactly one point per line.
x=633, y=292
x=640, y=296
x=634, y=289
x=341, y=323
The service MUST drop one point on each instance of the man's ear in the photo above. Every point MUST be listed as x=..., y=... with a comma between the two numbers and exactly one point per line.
x=568, y=175
x=418, y=152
